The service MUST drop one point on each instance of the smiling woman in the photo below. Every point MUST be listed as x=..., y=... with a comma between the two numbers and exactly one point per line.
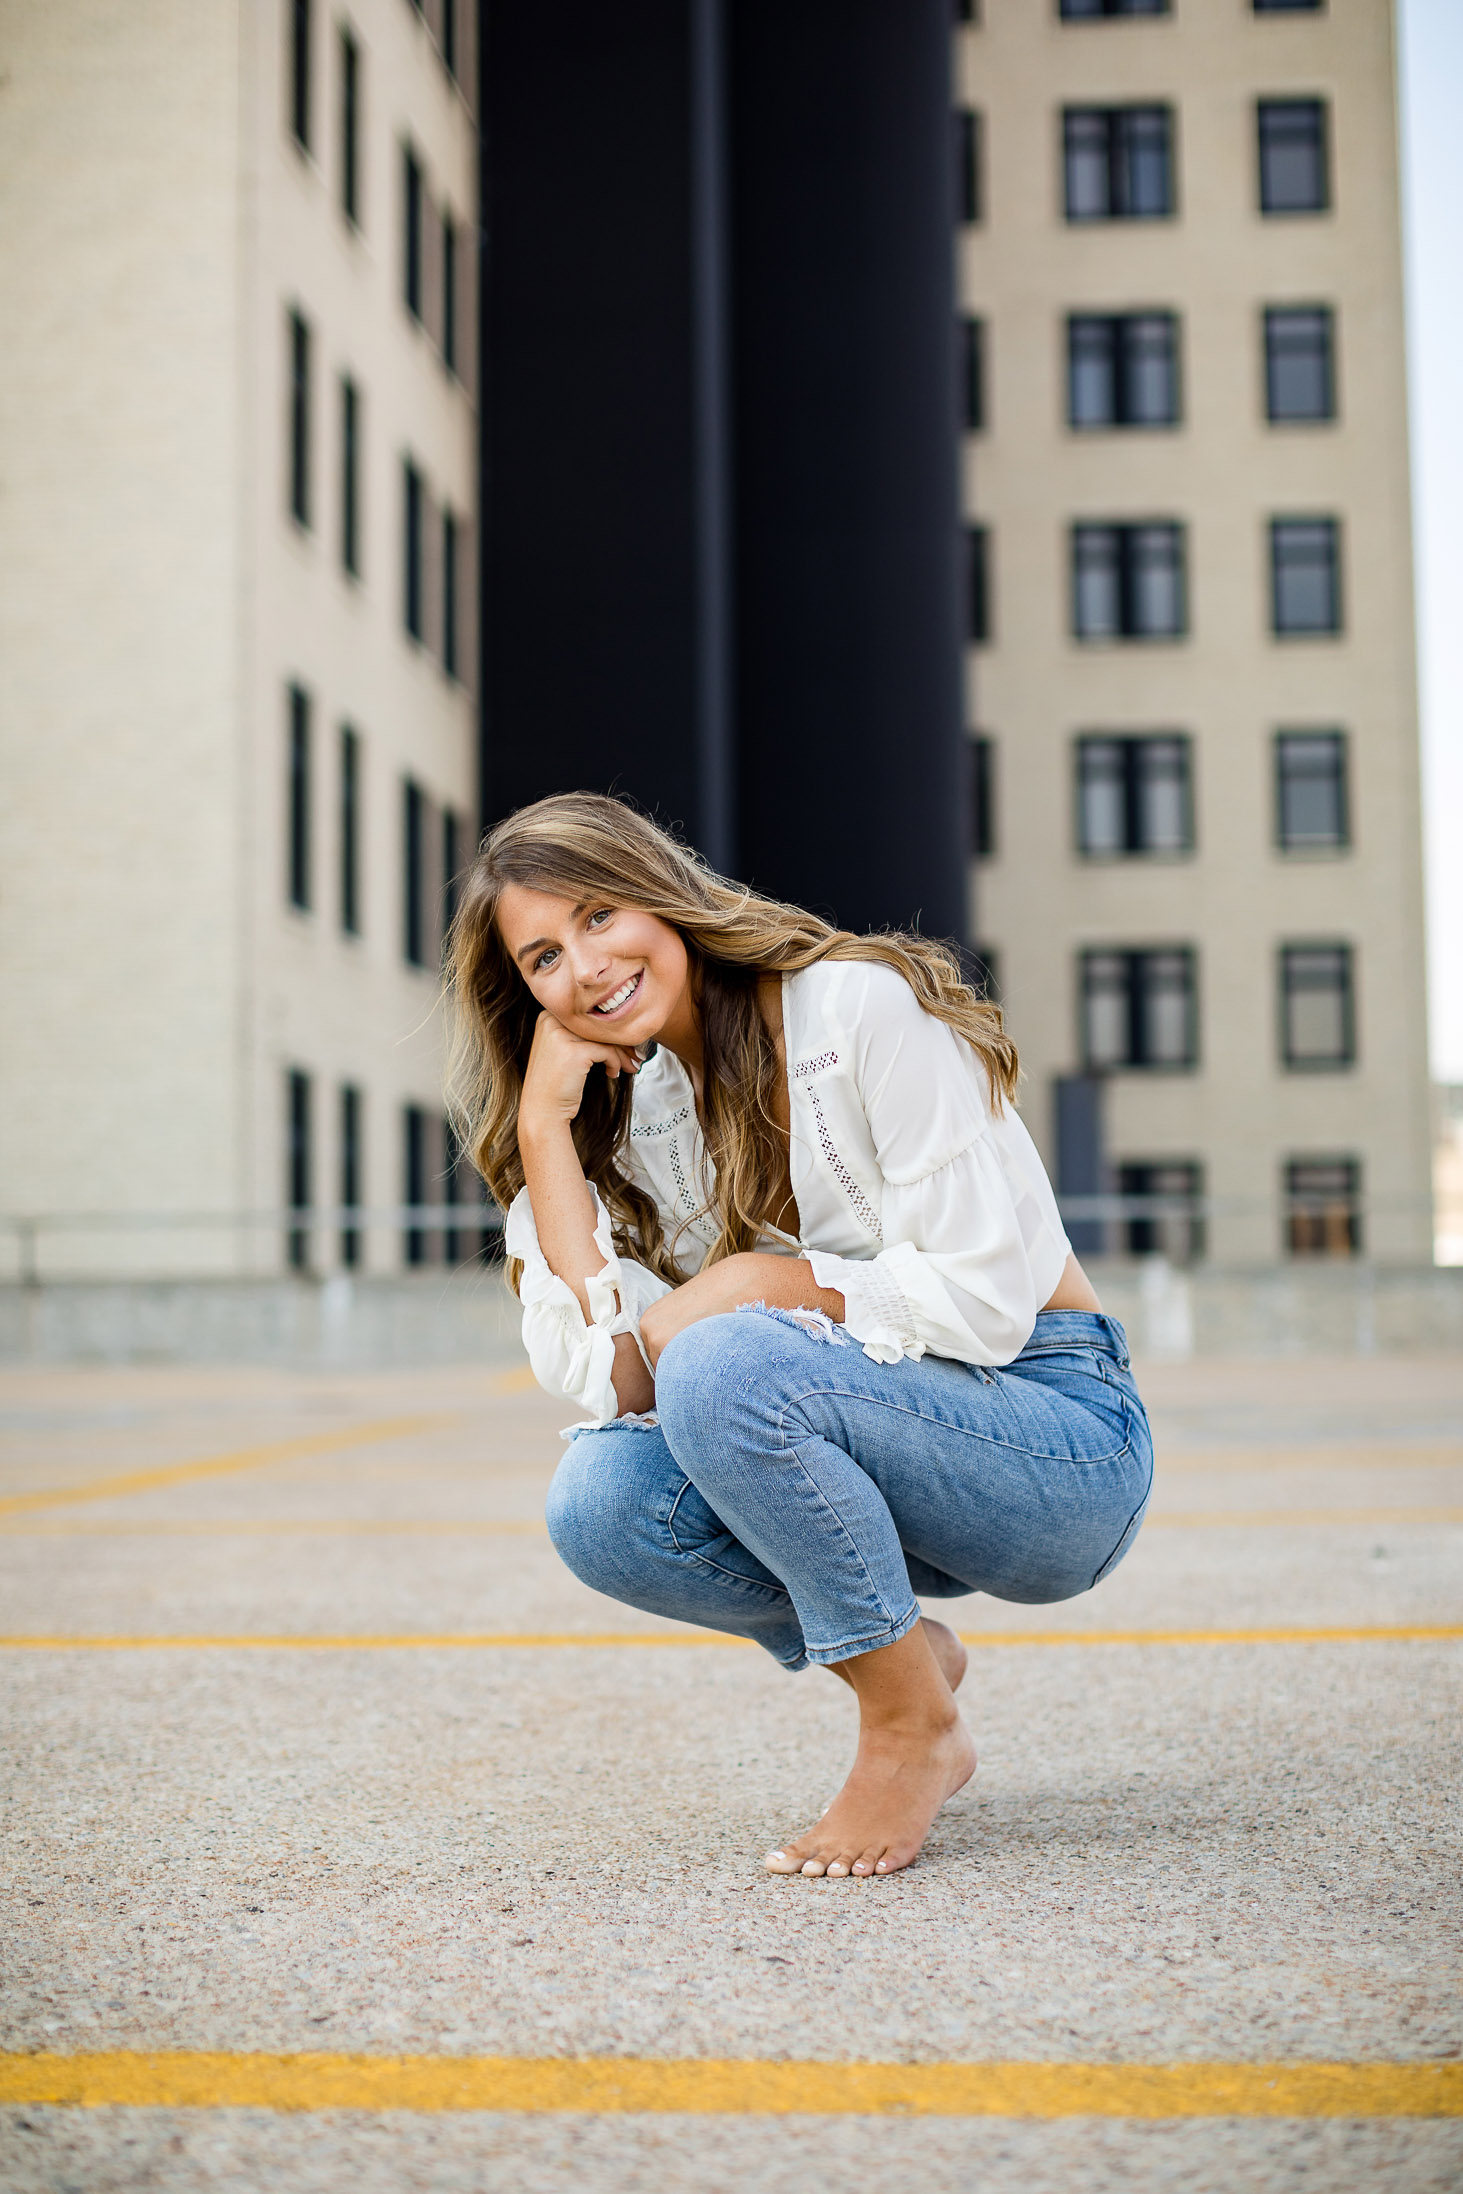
x=694, y=1103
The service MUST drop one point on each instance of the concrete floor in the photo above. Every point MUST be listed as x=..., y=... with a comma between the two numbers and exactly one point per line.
x=1177, y=1852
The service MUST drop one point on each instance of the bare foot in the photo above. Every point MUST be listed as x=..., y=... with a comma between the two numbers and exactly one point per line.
x=943, y=1643
x=877, y=1823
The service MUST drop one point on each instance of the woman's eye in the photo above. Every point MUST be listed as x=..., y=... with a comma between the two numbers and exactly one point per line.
x=545, y=959
x=602, y=915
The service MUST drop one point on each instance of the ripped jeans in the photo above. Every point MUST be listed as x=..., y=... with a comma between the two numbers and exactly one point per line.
x=797, y=1493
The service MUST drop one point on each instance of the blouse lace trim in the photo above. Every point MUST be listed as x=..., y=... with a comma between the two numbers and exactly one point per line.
x=803, y=1072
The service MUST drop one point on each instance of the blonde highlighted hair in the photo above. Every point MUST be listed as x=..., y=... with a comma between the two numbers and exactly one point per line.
x=587, y=847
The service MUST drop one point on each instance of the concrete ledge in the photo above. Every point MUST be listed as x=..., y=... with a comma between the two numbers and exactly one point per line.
x=470, y=1317
x=416, y=1318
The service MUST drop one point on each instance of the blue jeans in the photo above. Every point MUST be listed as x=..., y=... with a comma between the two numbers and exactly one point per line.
x=797, y=1493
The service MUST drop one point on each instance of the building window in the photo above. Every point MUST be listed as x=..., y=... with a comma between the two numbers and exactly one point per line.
x=297, y=800
x=1165, y=1214
x=1134, y=795
x=1140, y=1009
x=977, y=584
x=298, y=1157
x=451, y=559
x=350, y=476
x=413, y=874
x=1312, y=812
x=982, y=797
x=453, y=854
x=352, y=1172
x=350, y=831
x=973, y=375
x=414, y=513
x=1323, y=1207
x=1082, y=11
x=350, y=127
x=969, y=167
x=1294, y=167
x=449, y=292
x=1128, y=582
x=967, y=11
x=299, y=63
x=413, y=200
x=416, y=1132
x=1122, y=369
x=1317, y=1008
x=1300, y=375
x=1287, y=7
x=1118, y=163
x=448, y=23
x=1305, y=575
x=299, y=461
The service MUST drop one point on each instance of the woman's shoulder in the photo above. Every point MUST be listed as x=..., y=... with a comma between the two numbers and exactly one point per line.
x=838, y=995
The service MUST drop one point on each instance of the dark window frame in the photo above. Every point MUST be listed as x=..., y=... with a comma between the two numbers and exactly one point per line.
x=1180, y=1234
x=301, y=47
x=299, y=879
x=1290, y=775
x=415, y=1125
x=1107, y=11
x=1295, y=983
x=413, y=552
x=299, y=1165
x=1273, y=137
x=350, y=476
x=451, y=244
x=970, y=192
x=351, y=818
x=1322, y=1217
x=301, y=372
x=453, y=863
x=413, y=873
x=1279, y=342
x=983, y=795
x=1124, y=335
x=979, y=590
x=352, y=1170
x=452, y=537
x=350, y=59
x=1120, y=155
x=1291, y=557
x=413, y=220
x=1137, y=753
x=974, y=374
x=1139, y=991
x=1129, y=569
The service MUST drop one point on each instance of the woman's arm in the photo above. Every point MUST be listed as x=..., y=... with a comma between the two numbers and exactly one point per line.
x=563, y=1207
x=783, y=1283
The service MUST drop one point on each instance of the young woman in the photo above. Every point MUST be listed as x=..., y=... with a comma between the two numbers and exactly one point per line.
x=779, y=1233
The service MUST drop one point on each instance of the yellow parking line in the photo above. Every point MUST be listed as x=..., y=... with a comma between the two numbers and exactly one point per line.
x=490, y=1641
x=310, y=2081
x=218, y=1466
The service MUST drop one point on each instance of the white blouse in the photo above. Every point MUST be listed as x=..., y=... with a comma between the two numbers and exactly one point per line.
x=928, y=1211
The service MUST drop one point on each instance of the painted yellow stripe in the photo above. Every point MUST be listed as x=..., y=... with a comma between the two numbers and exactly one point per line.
x=177, y=2079
x=489, y=1640
x=121, y=1484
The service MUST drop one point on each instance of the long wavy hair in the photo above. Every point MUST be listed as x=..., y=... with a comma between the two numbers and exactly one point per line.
x=588, y=847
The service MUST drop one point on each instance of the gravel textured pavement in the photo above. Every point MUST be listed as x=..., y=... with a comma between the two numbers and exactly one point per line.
x=1182, y=1851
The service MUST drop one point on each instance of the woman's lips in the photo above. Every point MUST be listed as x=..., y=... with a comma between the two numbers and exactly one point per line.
x=617, y=1001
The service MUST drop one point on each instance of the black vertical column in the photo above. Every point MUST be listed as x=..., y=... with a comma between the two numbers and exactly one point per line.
x=848, y=656
x=590, y=613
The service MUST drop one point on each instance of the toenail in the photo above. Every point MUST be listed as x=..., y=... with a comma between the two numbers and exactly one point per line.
x=776, y=1855
x=882, y=1866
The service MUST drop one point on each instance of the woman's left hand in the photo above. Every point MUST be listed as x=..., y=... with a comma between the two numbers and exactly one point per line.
x=784, y=1283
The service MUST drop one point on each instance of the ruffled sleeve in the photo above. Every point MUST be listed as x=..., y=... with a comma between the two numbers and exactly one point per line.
x=973, y=1243
x=572, y=1356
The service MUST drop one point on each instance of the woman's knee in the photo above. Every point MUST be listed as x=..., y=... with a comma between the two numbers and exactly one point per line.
x=711, y=1376
x=597, y=1493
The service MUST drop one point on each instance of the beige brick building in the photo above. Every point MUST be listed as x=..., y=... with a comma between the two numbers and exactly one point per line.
x=238, y=459
x=1188, y=467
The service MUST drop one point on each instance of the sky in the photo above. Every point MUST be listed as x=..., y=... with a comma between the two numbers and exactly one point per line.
x=1431, y=33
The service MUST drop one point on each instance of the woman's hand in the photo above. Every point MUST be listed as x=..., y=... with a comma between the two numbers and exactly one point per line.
x=786, y=1283
x=558, y=1066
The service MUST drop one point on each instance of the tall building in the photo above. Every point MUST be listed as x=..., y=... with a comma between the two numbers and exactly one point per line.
x=1191, y=681
x=236, y=615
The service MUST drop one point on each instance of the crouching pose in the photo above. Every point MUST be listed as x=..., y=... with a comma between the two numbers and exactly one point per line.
x=780, y=1235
